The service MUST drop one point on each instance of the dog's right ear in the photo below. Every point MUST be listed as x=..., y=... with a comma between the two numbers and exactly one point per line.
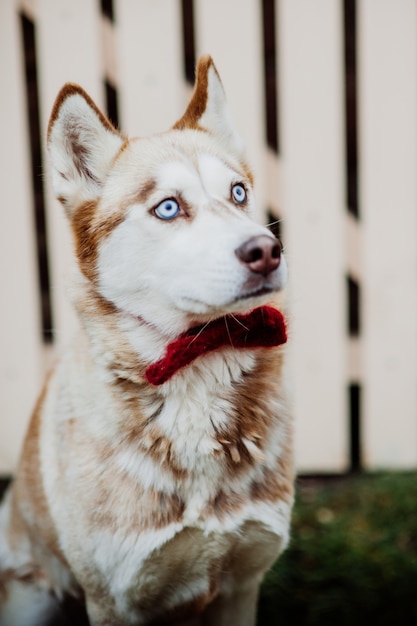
x=82, y=144
x=208, y=110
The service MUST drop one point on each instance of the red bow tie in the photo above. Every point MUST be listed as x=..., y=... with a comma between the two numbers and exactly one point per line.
x=263, y=327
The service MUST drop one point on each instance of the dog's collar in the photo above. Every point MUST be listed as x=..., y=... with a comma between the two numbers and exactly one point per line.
x=263, y=327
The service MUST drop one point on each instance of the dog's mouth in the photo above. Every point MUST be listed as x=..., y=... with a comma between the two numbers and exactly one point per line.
x=255, y=293
x=237, y=304
x=240, y=302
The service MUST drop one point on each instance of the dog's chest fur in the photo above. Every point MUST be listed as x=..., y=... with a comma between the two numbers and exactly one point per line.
x=184, y=477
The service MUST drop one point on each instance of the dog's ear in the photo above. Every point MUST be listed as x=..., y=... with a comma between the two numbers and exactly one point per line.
x=208, y=110
x=82, y=144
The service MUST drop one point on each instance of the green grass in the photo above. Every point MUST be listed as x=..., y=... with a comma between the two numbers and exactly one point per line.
x=352, y=558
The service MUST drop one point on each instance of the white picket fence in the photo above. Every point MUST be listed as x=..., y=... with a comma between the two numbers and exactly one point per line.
x=355, y=394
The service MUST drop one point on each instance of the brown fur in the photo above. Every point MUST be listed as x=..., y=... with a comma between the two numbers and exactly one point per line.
x=198, y=102
x=89, y=233
x=157, y=509
x=147, y=190
x=160, y=515
x=28, y=489
x=71, y=89
x=276, y=484
x=251, y=420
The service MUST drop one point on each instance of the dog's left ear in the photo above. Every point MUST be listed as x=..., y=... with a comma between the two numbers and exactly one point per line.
x=208, y=110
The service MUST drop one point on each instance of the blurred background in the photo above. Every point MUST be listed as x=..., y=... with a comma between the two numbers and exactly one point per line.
x=324, y=94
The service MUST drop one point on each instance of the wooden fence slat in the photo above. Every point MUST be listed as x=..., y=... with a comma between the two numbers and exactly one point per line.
x=21, y=352
x=231, y=32
x=388, y=199
x=311, y=106
x=141, y=55
x=149, y=55
x=69, y=50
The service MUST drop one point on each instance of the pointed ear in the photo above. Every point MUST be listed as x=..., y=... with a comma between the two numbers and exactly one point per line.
x=208, y=110
x=82, y=144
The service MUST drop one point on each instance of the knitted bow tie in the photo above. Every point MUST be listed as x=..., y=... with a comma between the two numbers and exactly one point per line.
x=262, y=327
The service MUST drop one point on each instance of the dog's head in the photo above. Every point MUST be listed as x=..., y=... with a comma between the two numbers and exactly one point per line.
x=163, y=225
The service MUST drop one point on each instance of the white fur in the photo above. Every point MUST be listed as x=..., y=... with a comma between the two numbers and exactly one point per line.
x=99, y=421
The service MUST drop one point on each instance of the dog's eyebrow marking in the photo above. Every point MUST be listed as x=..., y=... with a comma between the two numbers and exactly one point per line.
x=142, y=196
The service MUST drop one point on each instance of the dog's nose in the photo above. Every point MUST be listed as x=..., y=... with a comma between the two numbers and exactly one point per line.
x=260, y=254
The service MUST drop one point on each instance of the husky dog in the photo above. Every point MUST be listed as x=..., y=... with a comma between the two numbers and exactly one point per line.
x=156, y=478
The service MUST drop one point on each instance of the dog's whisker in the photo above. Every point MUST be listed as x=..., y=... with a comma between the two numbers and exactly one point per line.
x=228, y=331
x=239, y=322
x=202, y=329
x=273, y=223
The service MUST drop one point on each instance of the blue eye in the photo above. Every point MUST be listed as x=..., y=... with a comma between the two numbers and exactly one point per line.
x=167, y=209
x=239, y=193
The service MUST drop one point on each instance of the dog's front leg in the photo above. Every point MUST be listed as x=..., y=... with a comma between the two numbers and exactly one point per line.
x=26, y=604
x=101, y=613
x=237, y=607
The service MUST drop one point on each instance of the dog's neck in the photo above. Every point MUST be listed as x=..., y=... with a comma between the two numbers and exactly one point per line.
x=148, y=354
x=189, y=413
